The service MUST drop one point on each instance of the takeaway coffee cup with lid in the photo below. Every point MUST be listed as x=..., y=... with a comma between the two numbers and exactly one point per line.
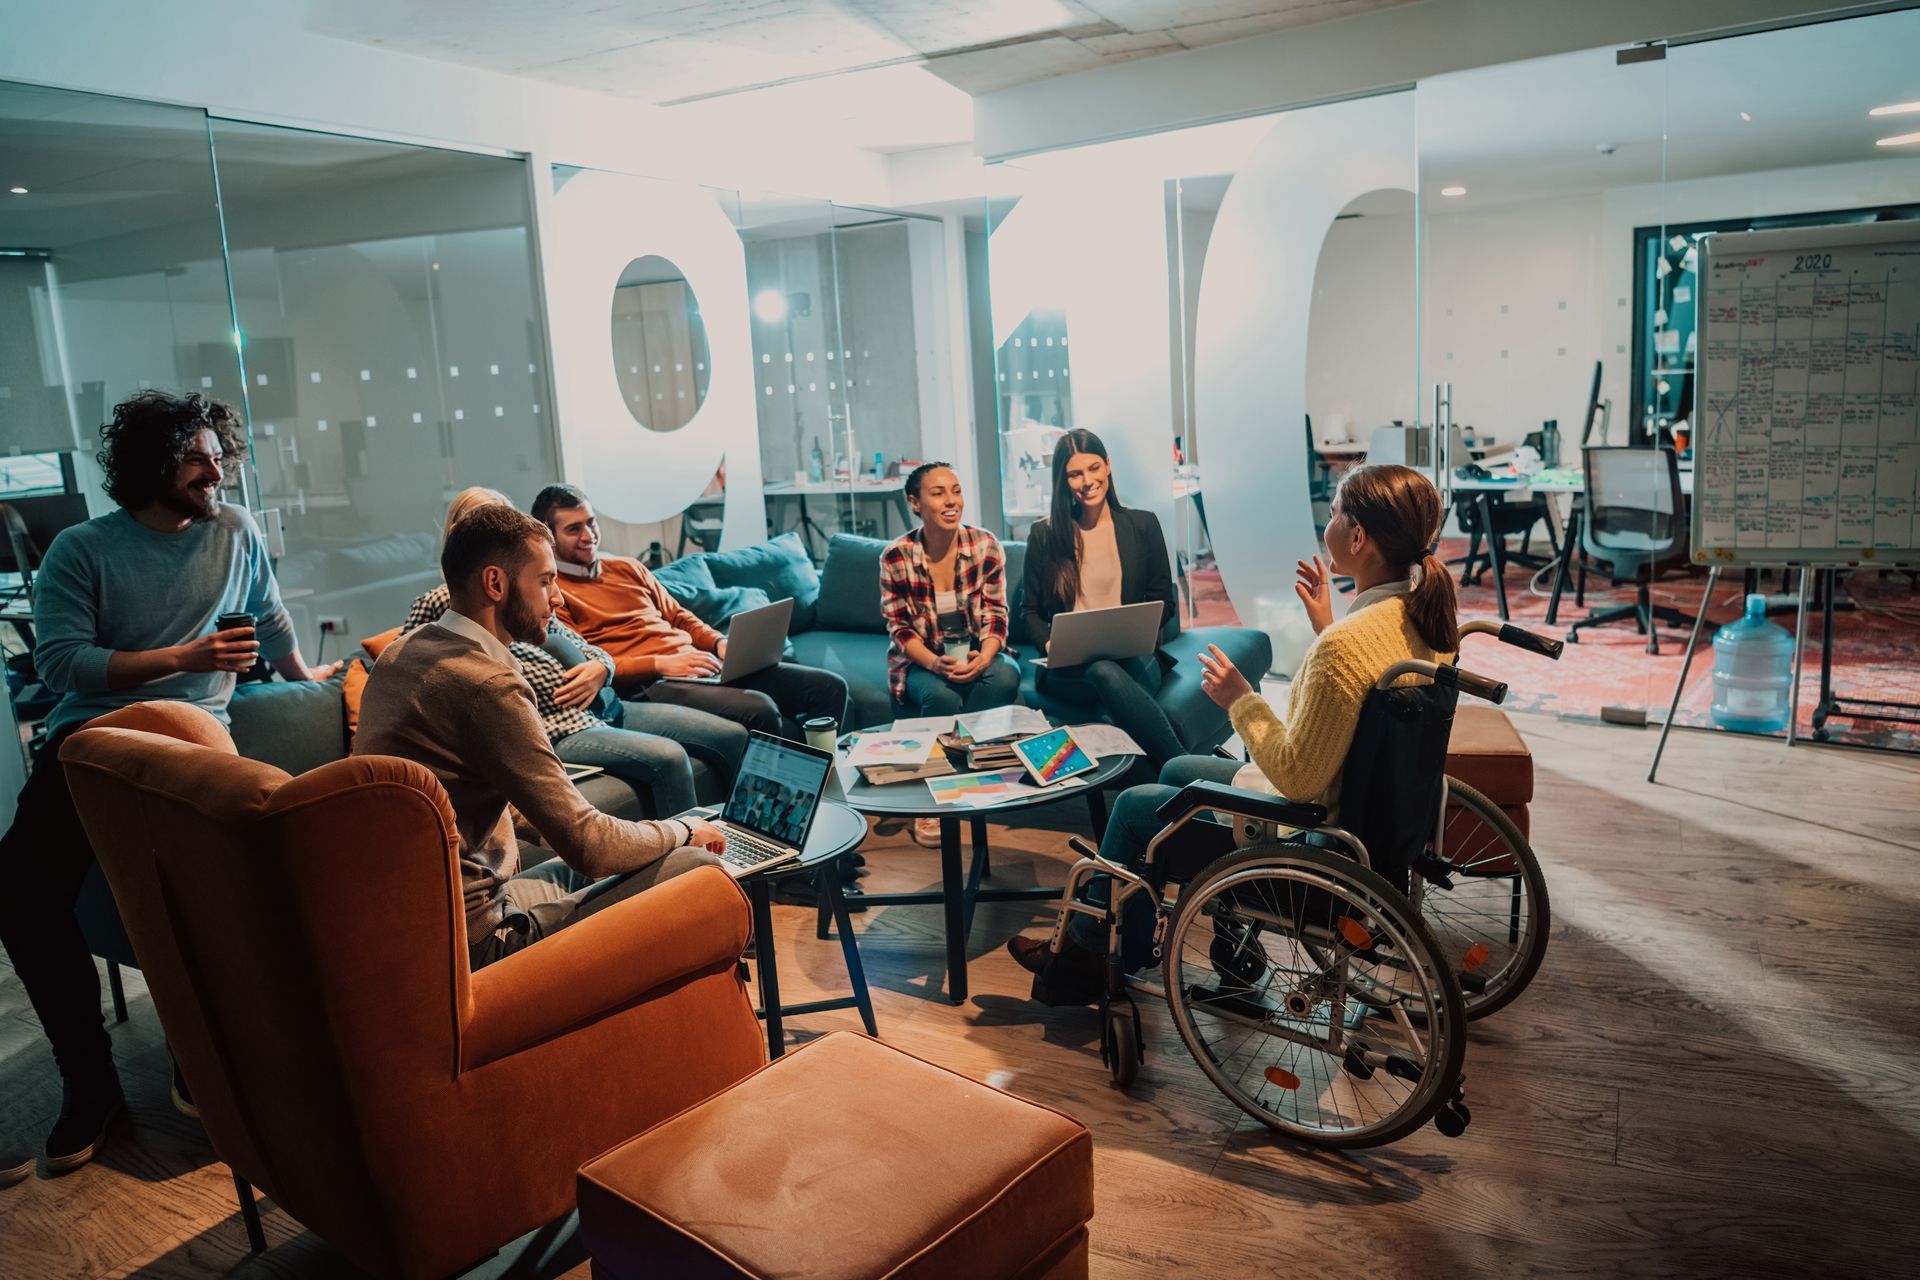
x=231, y=621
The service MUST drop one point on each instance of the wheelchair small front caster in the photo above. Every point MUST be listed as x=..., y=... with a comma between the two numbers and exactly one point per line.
x=1452, y=1119
x=1120, y=1046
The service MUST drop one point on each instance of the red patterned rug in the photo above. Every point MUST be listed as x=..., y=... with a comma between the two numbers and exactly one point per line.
x=1874, y=642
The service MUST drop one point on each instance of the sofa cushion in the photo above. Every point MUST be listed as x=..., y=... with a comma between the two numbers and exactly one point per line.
x=780, y=567
x=850, y=585
x=295, y=724
x=1016, y=568
x=860, y=657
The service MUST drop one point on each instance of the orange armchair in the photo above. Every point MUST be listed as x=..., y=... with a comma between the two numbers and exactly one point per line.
x=305, y=944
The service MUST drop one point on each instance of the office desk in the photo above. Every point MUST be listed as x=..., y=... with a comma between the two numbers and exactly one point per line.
x=797, y=493
x=1567, y=532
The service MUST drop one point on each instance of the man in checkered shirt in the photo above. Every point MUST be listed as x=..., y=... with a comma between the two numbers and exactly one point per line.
x=643, y=744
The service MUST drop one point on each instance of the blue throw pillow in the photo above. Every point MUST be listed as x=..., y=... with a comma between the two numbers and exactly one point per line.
x=685, y=576
x=779, y=567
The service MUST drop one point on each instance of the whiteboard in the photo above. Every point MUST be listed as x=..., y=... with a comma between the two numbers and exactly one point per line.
x=1807, y=443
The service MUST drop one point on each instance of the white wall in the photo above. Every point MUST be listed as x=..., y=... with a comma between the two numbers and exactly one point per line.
x=1360, y=332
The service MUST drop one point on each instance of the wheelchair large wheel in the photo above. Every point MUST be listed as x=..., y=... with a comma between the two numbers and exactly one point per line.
x=1480, y=891
x=1311, y=994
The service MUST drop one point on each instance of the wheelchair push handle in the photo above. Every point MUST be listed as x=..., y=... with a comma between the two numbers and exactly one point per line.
x=1518, y=637
x=1494, y=691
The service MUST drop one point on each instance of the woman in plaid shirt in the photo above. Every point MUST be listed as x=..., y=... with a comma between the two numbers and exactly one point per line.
x=943, y=594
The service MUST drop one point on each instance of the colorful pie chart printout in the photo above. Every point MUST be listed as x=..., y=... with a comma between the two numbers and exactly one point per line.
x=1053, y=756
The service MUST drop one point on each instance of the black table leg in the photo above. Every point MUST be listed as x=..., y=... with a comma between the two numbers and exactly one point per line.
x=975, y=869
x=1569, y=548
x=953, y=899
x=849, y=948
x=1097, y=811
x=1496, y=550
x=760, y=894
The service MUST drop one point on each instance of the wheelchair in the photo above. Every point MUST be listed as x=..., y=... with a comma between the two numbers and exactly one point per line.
x=1301, y=967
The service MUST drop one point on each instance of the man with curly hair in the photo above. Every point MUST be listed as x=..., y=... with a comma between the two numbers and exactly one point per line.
x=124, y=606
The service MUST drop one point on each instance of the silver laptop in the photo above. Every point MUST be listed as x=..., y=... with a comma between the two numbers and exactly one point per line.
x=755, y=639
x=1130, y=631
x=770, y=811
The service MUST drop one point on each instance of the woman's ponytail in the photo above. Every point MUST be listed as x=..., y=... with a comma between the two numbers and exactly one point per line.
x=1400, y=510
x=1434, y=608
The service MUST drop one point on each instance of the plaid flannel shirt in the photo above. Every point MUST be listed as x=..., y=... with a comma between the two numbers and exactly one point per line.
x=907, y=595
x=542, y=671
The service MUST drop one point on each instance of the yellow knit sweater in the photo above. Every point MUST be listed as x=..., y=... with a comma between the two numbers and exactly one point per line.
x=1300, y=755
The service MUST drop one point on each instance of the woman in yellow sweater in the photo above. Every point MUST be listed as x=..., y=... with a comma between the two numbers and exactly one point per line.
x=1384, y=520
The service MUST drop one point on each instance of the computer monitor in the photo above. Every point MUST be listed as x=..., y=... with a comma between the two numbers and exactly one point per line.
x=44, y=516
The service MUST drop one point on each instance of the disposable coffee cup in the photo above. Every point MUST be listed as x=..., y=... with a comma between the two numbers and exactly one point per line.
x=821, y=732
x=230, y=621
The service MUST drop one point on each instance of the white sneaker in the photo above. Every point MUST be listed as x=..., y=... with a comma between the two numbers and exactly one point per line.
x=926, y=832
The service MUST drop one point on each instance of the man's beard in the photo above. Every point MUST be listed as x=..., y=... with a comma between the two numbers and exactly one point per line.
x=524, y=620
x=187, y=502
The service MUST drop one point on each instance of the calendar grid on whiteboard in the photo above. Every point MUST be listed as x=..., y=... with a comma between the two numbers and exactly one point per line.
x=1808, y=451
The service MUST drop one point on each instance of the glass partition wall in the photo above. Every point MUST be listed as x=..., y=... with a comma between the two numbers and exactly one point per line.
x=384, y=299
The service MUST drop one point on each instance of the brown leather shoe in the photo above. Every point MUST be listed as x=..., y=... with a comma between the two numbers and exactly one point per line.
x=1030, y=954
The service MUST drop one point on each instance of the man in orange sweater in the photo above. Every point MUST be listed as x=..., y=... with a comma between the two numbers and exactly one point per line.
x=614, y=602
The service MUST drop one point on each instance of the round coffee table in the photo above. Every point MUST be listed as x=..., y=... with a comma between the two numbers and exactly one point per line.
x=960, y=892
x=837, y=832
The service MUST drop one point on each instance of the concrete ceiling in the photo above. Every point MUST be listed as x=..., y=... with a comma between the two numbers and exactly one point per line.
x=1580, y=123
x=885, y=74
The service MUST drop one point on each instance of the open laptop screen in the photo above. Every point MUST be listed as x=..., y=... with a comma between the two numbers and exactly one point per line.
x=778, y=788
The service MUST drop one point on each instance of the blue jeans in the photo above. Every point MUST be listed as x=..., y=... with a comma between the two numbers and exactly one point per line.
x=932, y=694
x=1125, y=690
x=718, y=741
x=1132, y=822
x=656, y=767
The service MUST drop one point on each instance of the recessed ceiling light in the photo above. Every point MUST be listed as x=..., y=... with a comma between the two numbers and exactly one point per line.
x=1746, y=117
x=1899, y=140
x=19, y=191
x=1453, y=191
x=1896, y=109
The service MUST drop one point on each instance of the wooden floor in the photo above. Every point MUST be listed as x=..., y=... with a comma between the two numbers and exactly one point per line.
x=1717, y=1072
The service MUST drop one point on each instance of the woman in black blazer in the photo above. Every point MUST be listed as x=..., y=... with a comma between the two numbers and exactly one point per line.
x=1092, y=553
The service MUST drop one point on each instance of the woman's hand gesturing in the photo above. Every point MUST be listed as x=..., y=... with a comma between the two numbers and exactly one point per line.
x=1315, y=590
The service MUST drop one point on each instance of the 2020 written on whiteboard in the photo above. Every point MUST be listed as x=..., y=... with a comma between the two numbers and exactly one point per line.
x=1808, y=444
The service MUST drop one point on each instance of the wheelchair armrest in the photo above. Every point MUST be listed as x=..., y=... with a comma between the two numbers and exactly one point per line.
x=1235, y=800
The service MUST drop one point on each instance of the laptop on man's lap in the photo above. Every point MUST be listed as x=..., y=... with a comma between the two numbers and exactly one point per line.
x=755, y=640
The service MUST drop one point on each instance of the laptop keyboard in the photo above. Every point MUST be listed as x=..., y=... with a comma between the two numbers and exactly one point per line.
x=749, y=853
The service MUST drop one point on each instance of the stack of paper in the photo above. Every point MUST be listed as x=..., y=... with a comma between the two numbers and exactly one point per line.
x=1003, y=722
x=905, y=753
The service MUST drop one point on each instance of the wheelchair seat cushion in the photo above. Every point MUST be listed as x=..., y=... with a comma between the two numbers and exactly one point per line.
x=1487, y=753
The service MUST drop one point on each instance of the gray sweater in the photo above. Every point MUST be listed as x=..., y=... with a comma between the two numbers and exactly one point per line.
x=112, y=584
x=439, y=698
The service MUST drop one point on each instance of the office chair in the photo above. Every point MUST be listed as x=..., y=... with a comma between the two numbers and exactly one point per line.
x=1636, y=521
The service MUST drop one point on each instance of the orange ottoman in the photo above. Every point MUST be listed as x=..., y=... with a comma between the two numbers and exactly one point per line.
x=845, y=1160
x=1487, y=753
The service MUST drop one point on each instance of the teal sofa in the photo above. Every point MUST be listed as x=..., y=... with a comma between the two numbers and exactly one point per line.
x=837, y=625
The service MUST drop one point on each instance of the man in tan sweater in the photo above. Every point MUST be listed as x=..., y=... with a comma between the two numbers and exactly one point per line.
x=615, y=603
x=450, y=696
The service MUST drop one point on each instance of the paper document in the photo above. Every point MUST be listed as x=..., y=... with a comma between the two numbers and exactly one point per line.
x=1103, y=740
x=984, y=790
x=891, y=748
x=931, y=726
x=1003, y=722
